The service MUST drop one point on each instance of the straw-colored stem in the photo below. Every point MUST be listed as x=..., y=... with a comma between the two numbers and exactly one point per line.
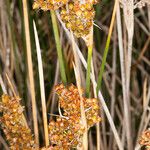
x=99, y=82
x=58, y=46
x=95, y=95
x=2, y=141
x=11, y=86
x=88, y=71
x=78, y=80
x=42, y=89
x=30, y=71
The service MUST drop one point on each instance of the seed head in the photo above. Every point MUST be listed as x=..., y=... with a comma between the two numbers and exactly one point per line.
x=67, y=131
x=14, y=124
x=145, y=139
x=78, y=17
x=49, y=4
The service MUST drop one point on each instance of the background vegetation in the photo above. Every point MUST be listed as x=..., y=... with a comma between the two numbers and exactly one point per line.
x=125, y=91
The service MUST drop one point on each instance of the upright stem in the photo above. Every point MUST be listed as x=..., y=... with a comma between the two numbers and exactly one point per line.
x=58, y=46
x=106, y=47
x=88, y=70
x=78, y=80
x=42, y=89
x=30, y=71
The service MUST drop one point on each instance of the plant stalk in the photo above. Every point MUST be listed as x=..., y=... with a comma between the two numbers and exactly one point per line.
x=58, y=47
x=99, y=82
x=30, y=71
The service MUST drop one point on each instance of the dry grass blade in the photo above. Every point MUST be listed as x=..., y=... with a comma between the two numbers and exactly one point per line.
x=78, y=81
x=4, y=143
x=128, y=9
x=124, y=80
x=3, y=85
x=42, y=88
x=30, y=70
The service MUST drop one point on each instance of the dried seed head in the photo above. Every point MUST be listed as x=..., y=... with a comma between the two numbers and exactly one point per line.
x=14, y=125
x=67, y=132
x=49, y=4
x=145, y=139
x=78, y=17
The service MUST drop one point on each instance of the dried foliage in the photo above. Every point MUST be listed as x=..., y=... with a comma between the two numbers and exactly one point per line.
x=145, y=139
x=142, y=3
x=120, y=92
x=68, y=130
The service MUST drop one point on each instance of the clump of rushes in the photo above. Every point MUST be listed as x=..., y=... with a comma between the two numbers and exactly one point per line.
x=14, y=124
x=67, y=131
x=145, y=139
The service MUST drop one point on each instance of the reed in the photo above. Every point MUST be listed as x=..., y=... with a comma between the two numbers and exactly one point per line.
x=30, y=70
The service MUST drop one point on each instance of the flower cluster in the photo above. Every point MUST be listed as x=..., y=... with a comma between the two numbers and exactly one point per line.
x=65, y=133
x=67, y=130
x=69, y=100
x=77, y=15
x=14, y=124
x=145, y=139
x=49, y=4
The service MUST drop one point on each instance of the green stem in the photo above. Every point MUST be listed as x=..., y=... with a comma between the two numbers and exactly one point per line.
x=58, y=47
x=88, y=71
x=99, y=82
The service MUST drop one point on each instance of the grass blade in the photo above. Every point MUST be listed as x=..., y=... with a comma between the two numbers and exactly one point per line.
x=41, y=78
x=30, y=71
x=99, y=82
x=58, y=46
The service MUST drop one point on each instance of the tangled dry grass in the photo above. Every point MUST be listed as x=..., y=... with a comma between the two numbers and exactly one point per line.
x=101, y=46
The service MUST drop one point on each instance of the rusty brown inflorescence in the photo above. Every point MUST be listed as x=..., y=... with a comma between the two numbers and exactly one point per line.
x=78, y=15
x=14, y=124
x=145, y=139
x=49, y=4
x=67, y=131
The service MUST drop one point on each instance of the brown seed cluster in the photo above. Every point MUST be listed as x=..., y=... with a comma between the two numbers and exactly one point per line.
x=145, y=139
x=65, y=133
x=14, y=124
x=69, y=100
x=49, y=4
x=78, y=17
x=67, y=130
